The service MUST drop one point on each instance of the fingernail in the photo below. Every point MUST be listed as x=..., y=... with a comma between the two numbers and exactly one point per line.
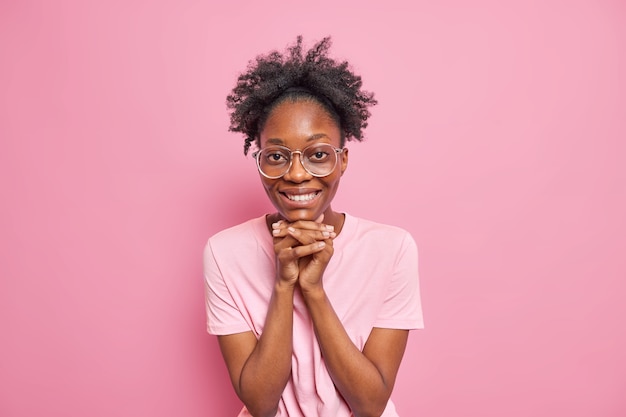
x=325, y=234
x=321, y=244
x=275, y=231
x=275, y=225
x=333, y=234
x=291, y=229
x=330, y=227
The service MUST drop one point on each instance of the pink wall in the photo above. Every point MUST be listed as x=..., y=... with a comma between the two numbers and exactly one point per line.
x=499, y=142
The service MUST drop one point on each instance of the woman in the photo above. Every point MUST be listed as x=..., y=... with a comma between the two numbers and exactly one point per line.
x=311, y=306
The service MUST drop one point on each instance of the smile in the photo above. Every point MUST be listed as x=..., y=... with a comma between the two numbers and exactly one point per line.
x=301, y=197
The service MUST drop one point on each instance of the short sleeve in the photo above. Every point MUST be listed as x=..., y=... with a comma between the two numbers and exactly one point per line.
x=402, y=307
x=223, y=316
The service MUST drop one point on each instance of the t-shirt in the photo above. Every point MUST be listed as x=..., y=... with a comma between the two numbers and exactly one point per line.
x=371, y=281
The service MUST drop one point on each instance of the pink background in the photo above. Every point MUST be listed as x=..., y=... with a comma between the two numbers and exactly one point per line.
x=499, y=143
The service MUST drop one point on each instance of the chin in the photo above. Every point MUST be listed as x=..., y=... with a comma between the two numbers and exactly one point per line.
x=295, y=215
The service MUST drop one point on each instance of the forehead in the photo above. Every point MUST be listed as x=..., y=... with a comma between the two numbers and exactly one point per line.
x=295, y=123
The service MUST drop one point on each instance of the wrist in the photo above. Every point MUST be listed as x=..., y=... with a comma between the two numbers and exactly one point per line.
x=313, y=293
x=284, y=287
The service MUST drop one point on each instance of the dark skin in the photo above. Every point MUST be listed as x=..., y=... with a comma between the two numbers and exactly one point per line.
x=303, y=231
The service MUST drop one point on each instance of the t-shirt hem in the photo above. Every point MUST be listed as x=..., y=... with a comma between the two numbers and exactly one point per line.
x=226, y=330
x=400, y=325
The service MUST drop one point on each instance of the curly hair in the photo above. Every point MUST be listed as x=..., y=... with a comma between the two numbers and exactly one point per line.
x=273, y=78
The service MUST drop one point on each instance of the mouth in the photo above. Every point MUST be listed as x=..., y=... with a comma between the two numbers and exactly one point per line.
x=299, y=197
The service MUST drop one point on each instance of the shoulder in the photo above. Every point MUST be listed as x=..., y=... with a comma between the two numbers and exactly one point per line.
x=366, y=229
x=248, y=234
x=377, y=239
x=237, y=230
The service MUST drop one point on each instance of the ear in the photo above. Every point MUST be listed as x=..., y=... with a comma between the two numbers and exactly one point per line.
x=344, y=160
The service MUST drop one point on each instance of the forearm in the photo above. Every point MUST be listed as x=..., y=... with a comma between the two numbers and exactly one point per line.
x=355, y=376
x=268, y=368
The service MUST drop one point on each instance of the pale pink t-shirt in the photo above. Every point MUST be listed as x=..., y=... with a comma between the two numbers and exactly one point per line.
x=371, y=281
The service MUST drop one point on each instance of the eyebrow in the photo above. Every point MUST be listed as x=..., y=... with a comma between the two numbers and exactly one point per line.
x=278, y=141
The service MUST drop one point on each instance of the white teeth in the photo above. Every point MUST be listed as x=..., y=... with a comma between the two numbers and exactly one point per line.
x=301, y=197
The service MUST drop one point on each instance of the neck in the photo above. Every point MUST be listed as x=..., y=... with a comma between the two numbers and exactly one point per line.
x=334, y=218
x=331, y=217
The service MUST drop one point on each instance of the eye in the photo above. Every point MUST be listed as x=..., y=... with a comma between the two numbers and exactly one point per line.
x=318, y=155
x=275, y=156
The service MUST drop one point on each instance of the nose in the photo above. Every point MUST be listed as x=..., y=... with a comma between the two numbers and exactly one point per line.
x=296, y=172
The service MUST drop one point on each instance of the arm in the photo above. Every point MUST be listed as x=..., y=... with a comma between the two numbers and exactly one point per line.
x=364, y=379
x=259, y=370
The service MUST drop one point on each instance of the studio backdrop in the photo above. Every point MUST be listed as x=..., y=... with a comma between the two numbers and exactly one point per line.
x=498, y=142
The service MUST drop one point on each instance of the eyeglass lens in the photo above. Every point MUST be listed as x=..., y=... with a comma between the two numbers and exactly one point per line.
x=318, y=160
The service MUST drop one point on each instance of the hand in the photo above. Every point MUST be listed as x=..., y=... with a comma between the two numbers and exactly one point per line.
x=303, y=249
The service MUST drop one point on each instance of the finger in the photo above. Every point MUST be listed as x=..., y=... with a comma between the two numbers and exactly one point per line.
x=307, y=237
x=308, y=225
x=326, y=253
x=304, y=237
x=306, y=250
x=285, y=242
x=279, y=229
x=279, y=225
x=319, y=232
x=286, y=256
x=289, y=255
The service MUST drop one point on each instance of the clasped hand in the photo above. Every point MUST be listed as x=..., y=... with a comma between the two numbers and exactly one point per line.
x=303, y=249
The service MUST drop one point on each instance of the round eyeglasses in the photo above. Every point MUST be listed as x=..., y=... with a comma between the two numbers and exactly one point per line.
x=318, y=159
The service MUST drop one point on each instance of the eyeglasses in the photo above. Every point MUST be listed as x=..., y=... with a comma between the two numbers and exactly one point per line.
x=318, y=159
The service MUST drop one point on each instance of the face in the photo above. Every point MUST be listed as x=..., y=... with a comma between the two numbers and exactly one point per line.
x=298, y=195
